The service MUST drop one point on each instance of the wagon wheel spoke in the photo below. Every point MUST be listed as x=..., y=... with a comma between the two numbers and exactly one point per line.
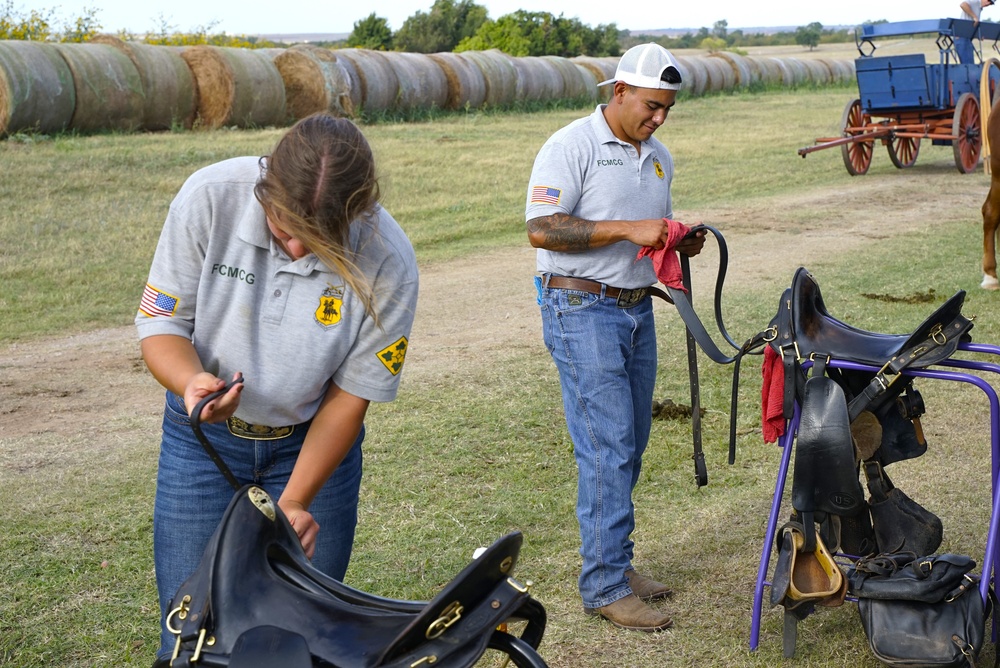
x=857, y=154
x=966, y=125
x=903, y=151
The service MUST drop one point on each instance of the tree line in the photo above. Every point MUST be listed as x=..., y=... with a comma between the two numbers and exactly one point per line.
x=449, y=25
x=462, y=25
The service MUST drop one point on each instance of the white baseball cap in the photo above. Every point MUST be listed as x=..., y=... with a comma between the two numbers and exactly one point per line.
x=648, y=66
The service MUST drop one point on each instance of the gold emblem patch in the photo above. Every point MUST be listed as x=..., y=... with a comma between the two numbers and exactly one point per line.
x=658, y=167
x=393, y=356
x=331, y=303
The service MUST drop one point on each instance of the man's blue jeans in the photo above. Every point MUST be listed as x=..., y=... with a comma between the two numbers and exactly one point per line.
x=965, y=50
x=606, y=357
x=192, y=495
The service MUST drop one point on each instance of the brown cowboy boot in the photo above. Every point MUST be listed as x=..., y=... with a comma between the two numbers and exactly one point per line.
x=632, y=614
x=646, y=588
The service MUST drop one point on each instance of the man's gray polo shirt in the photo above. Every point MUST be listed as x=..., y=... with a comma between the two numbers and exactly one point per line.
x=585, y=171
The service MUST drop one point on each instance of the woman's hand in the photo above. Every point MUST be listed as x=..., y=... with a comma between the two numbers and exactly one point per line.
x=306, y=527
x=221, y=408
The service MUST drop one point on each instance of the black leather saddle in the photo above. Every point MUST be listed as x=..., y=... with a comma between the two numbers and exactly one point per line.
x=803, y=323
x=255, y=601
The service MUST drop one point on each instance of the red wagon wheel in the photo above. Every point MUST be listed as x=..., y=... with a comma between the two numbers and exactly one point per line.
x=903, y=151
x=857, y=154
x=966, y=125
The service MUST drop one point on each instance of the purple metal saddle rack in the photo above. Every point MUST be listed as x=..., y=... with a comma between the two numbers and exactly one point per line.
x=991, y=559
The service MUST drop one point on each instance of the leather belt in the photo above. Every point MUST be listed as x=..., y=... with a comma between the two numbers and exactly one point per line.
x=626, y=297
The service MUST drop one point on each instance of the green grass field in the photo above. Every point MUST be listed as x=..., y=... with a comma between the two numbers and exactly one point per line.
x=479, y=448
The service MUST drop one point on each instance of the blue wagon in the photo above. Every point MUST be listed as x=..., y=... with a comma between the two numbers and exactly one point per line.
x=902, y=99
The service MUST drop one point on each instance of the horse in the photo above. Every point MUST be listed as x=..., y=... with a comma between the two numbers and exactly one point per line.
x=991, y=207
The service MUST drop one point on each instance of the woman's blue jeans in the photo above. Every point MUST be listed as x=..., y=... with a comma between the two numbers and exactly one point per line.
x=192, y=495
x=606, y=357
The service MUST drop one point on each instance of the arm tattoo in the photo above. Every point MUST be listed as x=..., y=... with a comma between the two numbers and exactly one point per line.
x=563, y=232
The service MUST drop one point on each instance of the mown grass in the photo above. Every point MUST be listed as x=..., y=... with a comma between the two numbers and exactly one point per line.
x=459, y=459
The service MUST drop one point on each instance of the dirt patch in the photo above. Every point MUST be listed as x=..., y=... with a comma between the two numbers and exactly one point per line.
x=57, y=393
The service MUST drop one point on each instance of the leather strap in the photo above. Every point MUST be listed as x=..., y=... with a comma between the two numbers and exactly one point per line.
x=209, y=448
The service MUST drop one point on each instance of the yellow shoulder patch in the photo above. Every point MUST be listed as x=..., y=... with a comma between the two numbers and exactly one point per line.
x=393, y=355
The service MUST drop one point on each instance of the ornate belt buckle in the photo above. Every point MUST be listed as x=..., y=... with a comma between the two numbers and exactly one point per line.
x=629, y=298
x=257, y=432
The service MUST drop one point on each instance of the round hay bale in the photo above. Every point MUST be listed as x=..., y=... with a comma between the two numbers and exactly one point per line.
x=602, y=70
x=238, y=87
x=720, y=75
x=758, y=73
x=694, y=76
x=740, y=68
x=379, y=84
x=36, y=88
x=819, y=74
x=501, y=77
x=357, y=92
x=787, y=76
x=574, y=86
x=108, y=88
x=770, y=72
x=169, y=94
x=422, y=83
x=800, y=75
x=314, y=81
x=466, y=83
x=538, y=80
x=841, y=70
x=590, y=81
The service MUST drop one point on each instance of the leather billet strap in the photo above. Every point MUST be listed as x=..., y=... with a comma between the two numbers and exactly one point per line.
x=209, y=448
x=940, y=342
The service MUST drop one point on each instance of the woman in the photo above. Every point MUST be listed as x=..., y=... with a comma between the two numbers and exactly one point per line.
x=285, y=269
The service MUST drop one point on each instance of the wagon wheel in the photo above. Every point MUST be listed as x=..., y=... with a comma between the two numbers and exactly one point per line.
x=858, y=154
x=966, y=125
x=903, y=150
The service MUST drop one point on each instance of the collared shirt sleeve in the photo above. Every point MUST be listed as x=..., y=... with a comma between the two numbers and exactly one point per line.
x=167, y=304
x=556, y=182
x=373, y=368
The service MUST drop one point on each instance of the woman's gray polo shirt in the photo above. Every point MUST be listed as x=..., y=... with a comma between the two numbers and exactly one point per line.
x=291, y=327
x=585, y=171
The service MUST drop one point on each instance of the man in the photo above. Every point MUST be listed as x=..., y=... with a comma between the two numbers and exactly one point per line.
x=972, y=10
x=599, y=192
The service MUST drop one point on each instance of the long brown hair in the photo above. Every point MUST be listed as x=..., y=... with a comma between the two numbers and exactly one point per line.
x=318, y=180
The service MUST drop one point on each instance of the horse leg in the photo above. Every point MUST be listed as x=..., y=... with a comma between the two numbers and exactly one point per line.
x=991, y=220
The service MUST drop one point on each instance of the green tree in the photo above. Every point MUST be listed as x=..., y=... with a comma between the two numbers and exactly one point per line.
x=447, y=24
x=809, y=35
x=713, y=44
x=371, y=32
x=720, y=29
x=524, y=33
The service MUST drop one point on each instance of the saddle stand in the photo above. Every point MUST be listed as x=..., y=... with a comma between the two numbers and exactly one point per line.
x=849, y=407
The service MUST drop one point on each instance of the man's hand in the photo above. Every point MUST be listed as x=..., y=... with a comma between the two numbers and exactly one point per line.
x=692, y=243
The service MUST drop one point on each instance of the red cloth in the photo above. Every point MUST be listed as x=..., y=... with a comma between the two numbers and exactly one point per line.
x=772, y=396
x=665, y=261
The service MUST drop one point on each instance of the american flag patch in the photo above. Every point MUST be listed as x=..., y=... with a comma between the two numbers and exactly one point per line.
x=154, y=302
x=545, y=195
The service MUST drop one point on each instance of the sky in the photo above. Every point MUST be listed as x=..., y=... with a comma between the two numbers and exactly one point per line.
x=310, y=17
